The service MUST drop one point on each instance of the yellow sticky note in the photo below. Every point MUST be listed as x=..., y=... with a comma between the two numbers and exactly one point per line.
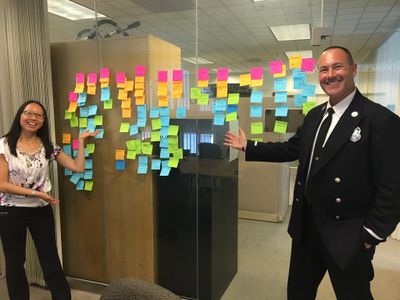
x=126, y=113
x=119, y=154
x=202, y=83
x=176, y=94
x=155, y=124
x=233, y=98
x=66, y=138
x=90, y=148
x=124, y=127
x=139, y=79
x=139, y=93
x=257, y=82
x=231, y=116
x=163, y=101
x=131, y=154
x=79, y=88
x=307, y=106
x=295, y=62
x=121, y=85
x=162, y=90
x=88, y=186
x=139, y=85
x=245, y=79
x=155, y=136
x=83, y=122
x=126, y=103
x=222, y=83
x=122, y=95
x=129, y=86
x=280, y=126
x=139, y=100
x=283, y=74
x=222, y=92
x=203, y=99
x=91, y=90
x=104, y=84
x=257, y=128
x=72, y=107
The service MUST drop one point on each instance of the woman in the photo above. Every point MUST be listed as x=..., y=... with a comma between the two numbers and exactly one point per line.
x=25, y=154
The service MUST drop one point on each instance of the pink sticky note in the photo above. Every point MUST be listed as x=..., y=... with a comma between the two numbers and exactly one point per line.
x=222, y=74
x=73, y=97
x=275, y=67
x=75, y=144
x=140, y=70
x=256, y=73
x=202, y=74
x=92, y=78
x=120, y=77
x=162, y=76
x=104, y=73
x=177, y=75
x=307, y=64
x=80, y=78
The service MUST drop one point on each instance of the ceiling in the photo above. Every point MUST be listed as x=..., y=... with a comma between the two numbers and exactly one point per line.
x=234, y=33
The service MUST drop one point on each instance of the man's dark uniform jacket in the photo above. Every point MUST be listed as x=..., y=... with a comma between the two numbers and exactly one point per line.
x=356, y=181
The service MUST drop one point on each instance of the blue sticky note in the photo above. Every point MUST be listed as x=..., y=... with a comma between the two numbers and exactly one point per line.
x=141, y=123
x=154, y=112
x=155, y=164
x=299, y=79
x=86, y=153
x=142, y=165
x=67, y=150
x=220, y=105
x=83, y=112
x=181, y=112
x=280, y=97
x=67, y=172
x=280, y=84
x=281, y=111
x=88, y=164
x=219, y=119
x=255, y=111
x=100, y=135
x=164, y=142
x=79, y=185
x=256, y=97
x=231, y=108
x=74, y=153
x=82, y=97
x=88, y=174
x=299, y=99
x=165, y=171
x=164, y=111
x=120, y=165
x=75, y=178
x=105, y=94
x=133, y=129
x=141, y=111
x=309, y=90
x=164, y=153
x=164, y=120
x=92, y=110
x=164, y=130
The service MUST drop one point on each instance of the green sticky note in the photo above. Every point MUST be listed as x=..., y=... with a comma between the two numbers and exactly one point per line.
x=156, y=124
x=173, y=162
x=131, y=145
x=83, y=122
x=280, y=126
x=307, y=106
x=124, y=128
x=67, y=115
x=256, y=128
x=90, y=148
x=173, y=142
x=257, y=139
x=74, y=122
x=138, y=146
x=98, y=120
x=108, y=104
x=178, y=153
x=131, y=154
x=173, y=129
x=233, y=98
x=88, y=186
x=195, y=92
x=202, y=99
x=231, y=116
x=155, y=136
x=147, y=148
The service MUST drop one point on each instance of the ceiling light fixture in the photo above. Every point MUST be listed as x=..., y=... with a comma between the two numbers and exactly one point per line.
x=303, y=54
x=71, y=10
x=291, y=32
x=200, y=60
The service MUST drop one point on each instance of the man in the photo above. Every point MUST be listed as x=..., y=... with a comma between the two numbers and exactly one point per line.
x=347, y=193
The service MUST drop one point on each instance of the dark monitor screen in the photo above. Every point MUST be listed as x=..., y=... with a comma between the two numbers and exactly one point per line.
x=295, y=118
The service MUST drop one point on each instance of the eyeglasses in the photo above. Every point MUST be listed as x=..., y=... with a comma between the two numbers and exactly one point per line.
x=30, y=114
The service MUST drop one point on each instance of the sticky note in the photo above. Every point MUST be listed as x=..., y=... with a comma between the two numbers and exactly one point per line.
x=83, y=122
x=307, y=106
x=280, y=97
x=91, y=90
x=256, y=97
x=105, y=94
x=126, y=113
x=80, y=77
x=74, y=121
x=255, y=83
x=98, y=120
x=202, y=99
x=83, y=112
x=165, y=120
x=256, y=73
x=67, y=115
x=92, y=110
x=82, y=98
x=154, y=112
x=90, y=148
x=173, y=162
x=162, y=76
x=100, y=135
x=222, y=74
x=164, y=153
x=133, y=129
x=67, y=149
x=231, y=116
x=131, y=154
x=220, y=105
x=280, y=84
x=120, y=165
x=92, y=78
x=275, y=66
x=244, y=79
x=299, y=100
x=165, y=171
x=256, y=111
x=177, y=75
x=181, y=112
x=104, y=73
x=88, y=164
x=120, y=77
x=256, y=128
x=219, y=119
x=88, y=175
x=142, y=165
x=281, y=74
x=222, y=92
x=280, y=126
x=129, y=85
x=72, y=107
x=140, y=71
x=124, y=128
x=66, y=138
x=309, y=90
x=178, y=153
x=79, y=88
x=73, y=97
x=232, y=108
x=122, y=94
x=155, y=164
x=173, y=130
x=155, y=136
x=75, y=178
x=233, y=98
x=308, y=64
x=164, y=111
x=119, y=154
x=147, y=148
x=295, y=62
x=108, y=104
x=202, y=74
x=155, y=124
x=164, y=130
x=80, y=185
x=281, y=111
x=195, y=93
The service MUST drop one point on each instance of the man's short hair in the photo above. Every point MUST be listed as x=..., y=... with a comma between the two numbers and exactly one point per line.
x=345, y=50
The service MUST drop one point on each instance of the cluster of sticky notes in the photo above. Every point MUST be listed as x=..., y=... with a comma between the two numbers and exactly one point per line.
x=177, y=84
x=202, y=77
x=222, y=82
x=140, y=72
x=256, y=76
x=162, y=88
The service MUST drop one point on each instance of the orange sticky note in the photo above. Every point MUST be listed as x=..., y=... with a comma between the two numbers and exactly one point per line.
x=176, y=94
x=79, y=88
x=140, y=100
x=129, y=85
x=122, y=95
x=72, y=106
x=104, y=84
x=139, y=85
x=139, y=79
x=126, y=113
x=222, y=92
x=163, y=101
x=121, y=85
x=202, y=83
x=245, y=79
x=162, y=90
x=139, y=93
x=91, y=90
x=222, y=83
x=119, y=154
x=126, y=103
x=257, y=82
x=66, y=139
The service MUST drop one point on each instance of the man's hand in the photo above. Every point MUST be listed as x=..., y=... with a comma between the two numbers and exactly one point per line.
x=236, y=141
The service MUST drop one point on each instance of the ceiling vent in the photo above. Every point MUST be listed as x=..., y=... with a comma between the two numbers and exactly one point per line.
x=162, y=6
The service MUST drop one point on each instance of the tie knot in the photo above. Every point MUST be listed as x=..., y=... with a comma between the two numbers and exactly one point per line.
x=331, y=111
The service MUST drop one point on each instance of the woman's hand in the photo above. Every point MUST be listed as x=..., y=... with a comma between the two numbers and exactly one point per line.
x=47, y=198
x=236, y=141
x=87, y=133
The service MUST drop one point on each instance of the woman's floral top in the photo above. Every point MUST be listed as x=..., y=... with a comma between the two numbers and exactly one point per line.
x=29, y=170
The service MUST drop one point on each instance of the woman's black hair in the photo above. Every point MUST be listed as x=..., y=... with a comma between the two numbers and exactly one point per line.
x=43, y=133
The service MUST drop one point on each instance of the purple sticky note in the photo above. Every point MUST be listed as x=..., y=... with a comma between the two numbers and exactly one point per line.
x=177, y=75
x=140, y=70
x=75, y=144
x=120, y=77
x=202, y=74
x=104, y=73
x=73, y=97
x=307, y=64
x=92, y=78
x=80, y=78
x=162, y=76
x=275, y=67
x=256, y=73
x=222, y=74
